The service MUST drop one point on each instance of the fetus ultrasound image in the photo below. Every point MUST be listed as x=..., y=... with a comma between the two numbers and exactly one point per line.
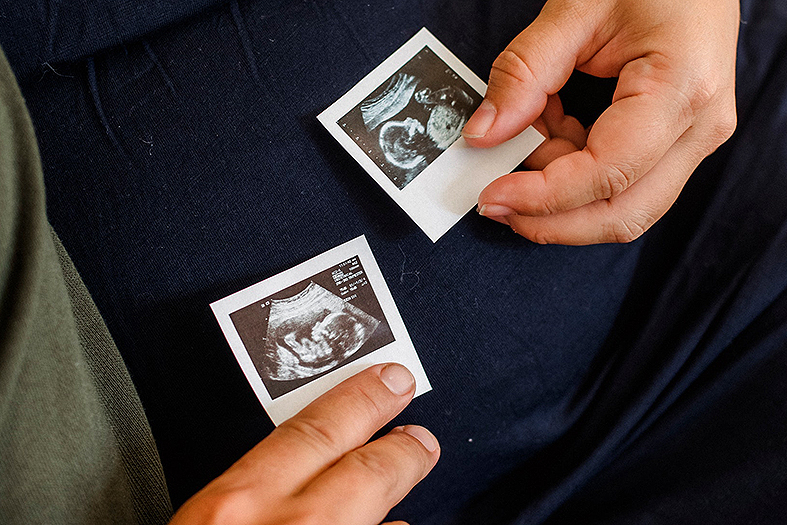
x=407, y=122
x=313, y=327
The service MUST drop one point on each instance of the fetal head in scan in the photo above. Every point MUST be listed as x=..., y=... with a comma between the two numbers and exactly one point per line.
x=312, y=332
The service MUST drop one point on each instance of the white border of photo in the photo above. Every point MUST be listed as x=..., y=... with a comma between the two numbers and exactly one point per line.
x=401, y=350
x=449, y=187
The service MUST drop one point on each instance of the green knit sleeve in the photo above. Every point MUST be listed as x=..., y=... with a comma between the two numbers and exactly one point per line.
x=75, y=446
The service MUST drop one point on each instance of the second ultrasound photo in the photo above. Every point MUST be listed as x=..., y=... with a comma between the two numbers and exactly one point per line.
x=313, y=327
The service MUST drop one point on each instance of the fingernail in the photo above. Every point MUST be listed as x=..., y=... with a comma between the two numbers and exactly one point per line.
x=495, y=210
x=424, y=436
x=481, y=121
x=397, y=378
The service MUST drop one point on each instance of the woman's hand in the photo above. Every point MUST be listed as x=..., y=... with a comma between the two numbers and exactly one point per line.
x=674, y=105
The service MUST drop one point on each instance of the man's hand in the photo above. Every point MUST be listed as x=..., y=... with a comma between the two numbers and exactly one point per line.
x=317, y=467
x=674, y=105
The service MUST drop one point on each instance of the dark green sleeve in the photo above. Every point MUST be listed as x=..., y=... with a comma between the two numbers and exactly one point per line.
x=75, y=446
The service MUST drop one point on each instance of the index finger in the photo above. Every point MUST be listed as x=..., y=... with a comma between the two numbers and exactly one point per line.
x=341, y=420
x=653, y=106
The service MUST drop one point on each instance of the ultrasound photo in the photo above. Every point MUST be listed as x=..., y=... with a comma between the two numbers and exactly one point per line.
x=407, y=122
x=313, y=327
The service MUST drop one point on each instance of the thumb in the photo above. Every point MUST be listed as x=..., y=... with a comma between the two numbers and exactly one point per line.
x=537, y=63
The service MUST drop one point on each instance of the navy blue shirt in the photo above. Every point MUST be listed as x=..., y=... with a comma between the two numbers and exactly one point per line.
x=638, y=383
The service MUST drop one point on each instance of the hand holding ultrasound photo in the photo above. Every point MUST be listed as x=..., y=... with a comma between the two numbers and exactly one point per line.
x=403, y=122
x=298, y=333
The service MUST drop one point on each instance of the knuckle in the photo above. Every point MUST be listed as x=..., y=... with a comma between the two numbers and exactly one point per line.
x=217, y=507
x=700, y=91
x=623, y=230
x=547, y=201
x=549, y=205
x=368, y=405
x=379, y=467
x=690, y=92
x=698, y=95
x=317, y=434
x=612, y=180
x=725, y=125
x=698, y=87
x=511, y=64
x=718, y=131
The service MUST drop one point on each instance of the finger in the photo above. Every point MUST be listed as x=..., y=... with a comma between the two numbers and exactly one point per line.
x=563, y=134
x=622, y=218
x=536, y=64
x=561, y=125
x=340, y=420
x=548, y=151
x=649, y=113
x=366, y=483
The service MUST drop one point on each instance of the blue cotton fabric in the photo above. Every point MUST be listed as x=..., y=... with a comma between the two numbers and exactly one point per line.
x=639, y=383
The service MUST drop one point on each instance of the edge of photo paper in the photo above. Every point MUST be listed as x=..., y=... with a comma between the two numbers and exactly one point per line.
x=401, y=350
x=438, y=197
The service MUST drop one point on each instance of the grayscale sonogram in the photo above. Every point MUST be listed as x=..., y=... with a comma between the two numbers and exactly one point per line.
x=409, y=120
x=312, y=327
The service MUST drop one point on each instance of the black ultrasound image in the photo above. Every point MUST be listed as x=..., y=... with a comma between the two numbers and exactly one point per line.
x=313, y=327
x=407, y=122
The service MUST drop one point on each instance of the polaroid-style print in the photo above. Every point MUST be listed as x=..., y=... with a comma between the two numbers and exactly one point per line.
x=402, y=123
x=303, y=331
x=406, y=123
